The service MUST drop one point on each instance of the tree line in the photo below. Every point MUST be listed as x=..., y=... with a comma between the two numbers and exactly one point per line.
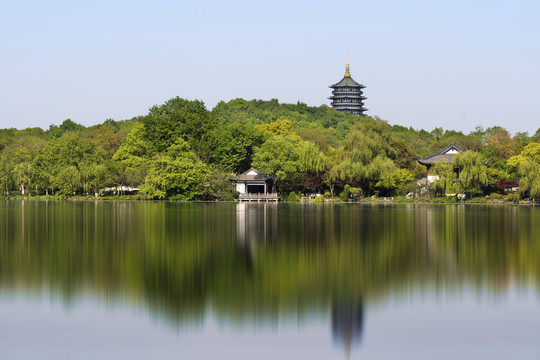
x=182, y=151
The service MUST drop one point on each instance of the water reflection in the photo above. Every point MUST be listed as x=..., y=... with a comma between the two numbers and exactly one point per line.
x=347, y=322
x=255, y=222
x=257, y=262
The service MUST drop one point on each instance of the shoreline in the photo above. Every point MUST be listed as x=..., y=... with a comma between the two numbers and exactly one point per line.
x=370, y=201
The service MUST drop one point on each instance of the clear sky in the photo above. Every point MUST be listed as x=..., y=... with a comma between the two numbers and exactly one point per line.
x=455, y=64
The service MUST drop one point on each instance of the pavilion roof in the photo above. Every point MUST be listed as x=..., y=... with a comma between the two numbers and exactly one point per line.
x=445, y=156
x=253, y=174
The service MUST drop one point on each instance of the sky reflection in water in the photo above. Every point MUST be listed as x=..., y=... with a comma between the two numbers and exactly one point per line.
x=97, y=279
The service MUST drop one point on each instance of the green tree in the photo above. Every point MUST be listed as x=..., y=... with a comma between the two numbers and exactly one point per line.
x=437, y=133
x=280, y=156
x=258, y=112
x=446, y=184
x=232, y=146
x=473, y=173
x=107, y=140
x=6, y=173
x=384, y=174
x=69, y=163
x=526, y=168
x=323, y=138
x=133, y=156
x=314, y=166
x=500, y=143
x=283, y=127
x=68, y=180
x=44, y=169
x=22, y=172
x=177, y=118
x=21, y=151
x=67, y=126
x=529, y=182
x=532, y=151
x=366, y=159
x=312, y=159
x=536, y=136
x=177, y=174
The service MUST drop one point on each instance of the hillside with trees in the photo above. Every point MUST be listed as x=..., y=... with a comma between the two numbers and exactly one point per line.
x=182, y=151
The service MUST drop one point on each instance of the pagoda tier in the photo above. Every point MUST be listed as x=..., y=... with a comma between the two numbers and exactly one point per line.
x=347, y=95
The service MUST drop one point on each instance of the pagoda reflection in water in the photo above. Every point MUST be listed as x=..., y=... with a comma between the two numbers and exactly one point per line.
x=256, y=227
x=347, y=322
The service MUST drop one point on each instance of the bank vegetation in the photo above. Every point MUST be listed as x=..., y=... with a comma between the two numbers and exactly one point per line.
x=182, y=151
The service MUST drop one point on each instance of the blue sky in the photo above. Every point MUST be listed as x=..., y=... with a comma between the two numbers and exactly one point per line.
x=455, y=64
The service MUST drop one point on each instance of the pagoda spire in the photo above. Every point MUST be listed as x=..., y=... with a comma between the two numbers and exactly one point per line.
x=347, y=73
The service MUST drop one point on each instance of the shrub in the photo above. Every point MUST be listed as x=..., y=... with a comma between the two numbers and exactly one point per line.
x=346, y=193
x=318, y=199
x=494, y=196
x=445, y=199
x=514, y=197
x=403, y=199
x=478, y=200
x=411, y=187
x=355, y=192
x=292, y=197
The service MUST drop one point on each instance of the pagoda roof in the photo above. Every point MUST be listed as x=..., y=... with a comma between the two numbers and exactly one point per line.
x=347, y=81
x=349, y=107
x=253, y=174
x=347, y=96
x=445, y=156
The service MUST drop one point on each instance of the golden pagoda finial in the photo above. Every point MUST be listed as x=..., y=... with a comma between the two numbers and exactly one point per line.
x=348, y=343
x=347, y=73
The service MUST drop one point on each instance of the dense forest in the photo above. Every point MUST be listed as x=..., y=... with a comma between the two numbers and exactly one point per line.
x=182, y=151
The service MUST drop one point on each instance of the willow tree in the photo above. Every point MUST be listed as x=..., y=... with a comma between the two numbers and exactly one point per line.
x=348, y=171
x=365, y=159
x=446, y=184
x=526, y=167
x=313, y=164
x=384, y=174
x=529, y=183
x=473, y=172
x=312, y=159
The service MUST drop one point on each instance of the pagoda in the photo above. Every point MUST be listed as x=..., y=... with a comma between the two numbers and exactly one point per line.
x=347, y=94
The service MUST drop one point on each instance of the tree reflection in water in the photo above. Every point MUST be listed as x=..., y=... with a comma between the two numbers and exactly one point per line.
x=257, y=262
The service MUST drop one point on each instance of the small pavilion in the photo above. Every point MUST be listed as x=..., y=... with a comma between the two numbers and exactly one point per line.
x=445, y=156
x=255, y=185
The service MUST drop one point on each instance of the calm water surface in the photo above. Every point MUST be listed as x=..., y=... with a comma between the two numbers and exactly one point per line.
x=141, y=280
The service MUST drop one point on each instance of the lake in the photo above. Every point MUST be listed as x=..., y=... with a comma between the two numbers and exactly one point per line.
x=139, y=280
